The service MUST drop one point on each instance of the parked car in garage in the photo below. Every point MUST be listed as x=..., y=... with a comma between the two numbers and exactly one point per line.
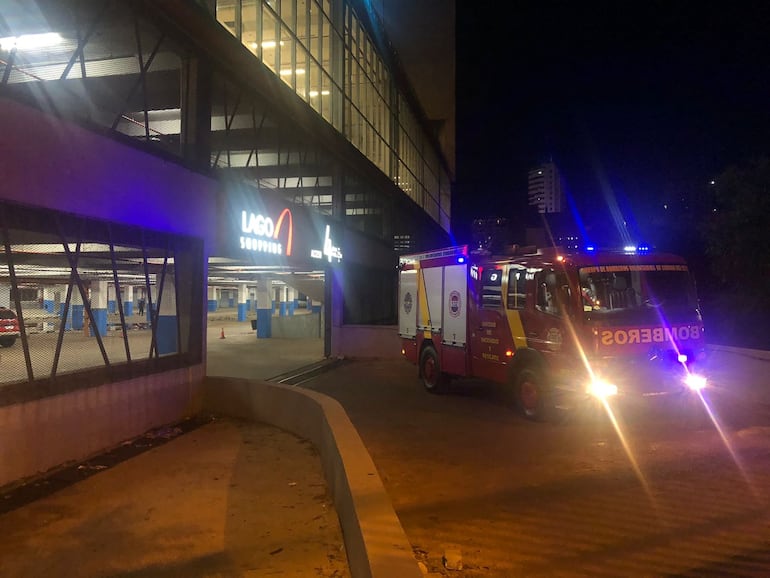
x=9, y=327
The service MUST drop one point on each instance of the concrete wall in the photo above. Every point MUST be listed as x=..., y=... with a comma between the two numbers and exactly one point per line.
x=46, y=162
x=40, y=435
x=375, y=541
x=366, y=341
x=297, y=326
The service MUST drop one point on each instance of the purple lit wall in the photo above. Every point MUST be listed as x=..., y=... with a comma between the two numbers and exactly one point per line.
x=50, y=163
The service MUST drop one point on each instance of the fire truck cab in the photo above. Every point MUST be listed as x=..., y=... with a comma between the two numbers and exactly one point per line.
x=556, y=326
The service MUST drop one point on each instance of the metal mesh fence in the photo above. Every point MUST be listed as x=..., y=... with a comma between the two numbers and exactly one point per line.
x=72, y=300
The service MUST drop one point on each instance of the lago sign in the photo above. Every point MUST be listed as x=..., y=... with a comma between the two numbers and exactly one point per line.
x=267, y=231
x=262, y=234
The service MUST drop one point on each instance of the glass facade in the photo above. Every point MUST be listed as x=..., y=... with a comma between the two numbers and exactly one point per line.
x=321, y=49
x=120, y=69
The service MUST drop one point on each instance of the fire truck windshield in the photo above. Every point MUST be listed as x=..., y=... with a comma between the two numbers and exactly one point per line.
x=638, y=294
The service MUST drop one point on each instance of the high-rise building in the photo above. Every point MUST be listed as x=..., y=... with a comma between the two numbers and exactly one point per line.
x=546, y=188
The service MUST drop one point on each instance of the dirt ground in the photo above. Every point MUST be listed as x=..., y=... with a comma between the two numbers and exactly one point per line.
x=229, y=498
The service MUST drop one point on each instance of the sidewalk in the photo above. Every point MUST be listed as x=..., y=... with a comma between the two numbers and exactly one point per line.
x=229, y=498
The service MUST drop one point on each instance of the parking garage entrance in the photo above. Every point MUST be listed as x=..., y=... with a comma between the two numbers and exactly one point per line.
x=267, y=278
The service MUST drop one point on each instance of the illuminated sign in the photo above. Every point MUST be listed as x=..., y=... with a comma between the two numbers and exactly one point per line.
x=330, y=251
x=260, y=233
x=628, y=336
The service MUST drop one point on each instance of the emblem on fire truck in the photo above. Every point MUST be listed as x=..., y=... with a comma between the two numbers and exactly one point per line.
x=553, y=339
x=408, y=302
x=455, y=303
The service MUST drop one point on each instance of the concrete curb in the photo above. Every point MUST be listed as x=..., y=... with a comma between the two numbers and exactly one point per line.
x=375, y=541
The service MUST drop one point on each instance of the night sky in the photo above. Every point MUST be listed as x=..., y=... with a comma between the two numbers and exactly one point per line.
x=638, y=103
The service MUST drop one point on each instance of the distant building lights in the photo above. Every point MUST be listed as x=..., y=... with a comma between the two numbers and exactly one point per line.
x=630, y=248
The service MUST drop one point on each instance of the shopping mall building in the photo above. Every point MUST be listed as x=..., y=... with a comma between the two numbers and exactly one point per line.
x=160, y=157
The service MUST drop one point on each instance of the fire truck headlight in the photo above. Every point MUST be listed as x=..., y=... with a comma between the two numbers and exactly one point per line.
x=602, y=389
x=695, y=382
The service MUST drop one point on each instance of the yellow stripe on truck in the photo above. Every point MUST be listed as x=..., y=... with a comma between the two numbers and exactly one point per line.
x=422, y=296
x=517, y=329
x=513, y=316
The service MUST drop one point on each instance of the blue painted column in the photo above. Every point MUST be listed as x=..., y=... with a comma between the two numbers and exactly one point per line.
x=111, y=302
x=314, y=306
x=264, y=309
x=128, y=301
x=283, y=304
x=75, y=318
x=243, y=293
x=48, y=299
x=99, y=306
x=213, y=303
x=166, y=335
x=291, y=299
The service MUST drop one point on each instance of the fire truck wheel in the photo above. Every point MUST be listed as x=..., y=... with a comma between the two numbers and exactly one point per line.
x=530, y=394
x=430, y=370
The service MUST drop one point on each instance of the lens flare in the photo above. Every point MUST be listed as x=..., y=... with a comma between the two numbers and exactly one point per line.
x=602, y=389
x=695, y=382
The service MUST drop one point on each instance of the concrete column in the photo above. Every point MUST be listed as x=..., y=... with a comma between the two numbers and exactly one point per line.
x=283, y=304
x=111, y=302
x=63, y=293
x=166, y=332
x=5, y=296
x=48, y=299
x=99, y=306
x=334, y=295
x=243, y=294
x=75, y=317
x=314, y=306
x=264, y=309
x=149, y=310
x=128, y=300
x=213, y=303
x=291, y=299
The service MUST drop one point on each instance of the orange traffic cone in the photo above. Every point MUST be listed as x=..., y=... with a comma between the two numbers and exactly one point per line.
x=222, y=333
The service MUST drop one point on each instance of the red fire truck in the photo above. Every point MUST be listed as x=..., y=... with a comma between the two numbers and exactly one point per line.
x=552, y=324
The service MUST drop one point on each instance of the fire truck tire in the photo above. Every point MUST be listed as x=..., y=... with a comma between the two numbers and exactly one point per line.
x=531, y=394
x=430, y=370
